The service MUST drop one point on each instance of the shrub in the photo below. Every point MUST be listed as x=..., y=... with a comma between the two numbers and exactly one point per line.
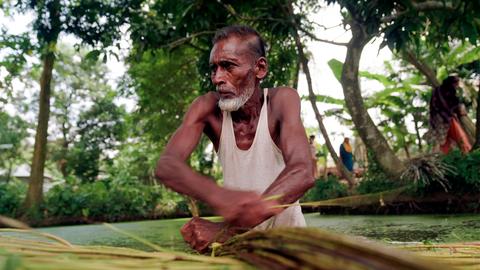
x=325, y=189
x=12, y=195
x=465, y=176
x=456, y=173
x=377, y=184
x=375, y=180
x=102, y=200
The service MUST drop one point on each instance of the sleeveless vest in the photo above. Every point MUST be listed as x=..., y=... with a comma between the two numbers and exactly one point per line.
x=256, y=168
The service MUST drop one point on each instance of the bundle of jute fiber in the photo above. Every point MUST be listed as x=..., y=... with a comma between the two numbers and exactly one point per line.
x=312, y=248
x=53, y=253
x=288, y=248
x=459, y=255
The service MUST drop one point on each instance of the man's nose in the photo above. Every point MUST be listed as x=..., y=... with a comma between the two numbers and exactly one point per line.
x=218, y=77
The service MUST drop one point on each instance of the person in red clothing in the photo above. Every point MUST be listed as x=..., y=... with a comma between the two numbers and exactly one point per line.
x=445, y=110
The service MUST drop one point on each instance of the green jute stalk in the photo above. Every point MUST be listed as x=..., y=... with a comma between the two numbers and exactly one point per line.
x=42, y=234
x=379, y=197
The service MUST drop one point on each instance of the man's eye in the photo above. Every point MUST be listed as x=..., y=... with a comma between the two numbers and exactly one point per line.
x=227, y=65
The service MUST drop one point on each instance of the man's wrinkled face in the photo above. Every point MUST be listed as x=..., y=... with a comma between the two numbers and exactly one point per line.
x=233, y=72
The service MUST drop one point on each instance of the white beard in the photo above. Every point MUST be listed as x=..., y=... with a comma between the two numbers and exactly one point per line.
x=233, y=104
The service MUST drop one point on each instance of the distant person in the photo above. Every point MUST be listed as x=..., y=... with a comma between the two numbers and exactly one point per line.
x=445, y=110
x=313, y=155
x=346, y=154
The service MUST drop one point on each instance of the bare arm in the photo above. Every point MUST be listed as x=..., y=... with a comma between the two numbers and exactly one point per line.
x=297, y=176
x=171, y=168
x=239, y=208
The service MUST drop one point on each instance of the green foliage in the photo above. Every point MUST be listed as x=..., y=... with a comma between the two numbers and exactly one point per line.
x=15, y=48
x=12, y=132
x=102, y=126
x=406, y=22
x=325, y=189
x=465, y=177
x=84, y=161
x=12, y=194
x=99, y=129
x=336, y=67
x=401, y=97
x=94, y=22
x=78, y=83
x=104, y=200
x=454, y=173
x=135, y=163
x=165, y=84
x=374, y=184
x=329, y=100
x=172, y=24
x=202, y=160
x=375, y=180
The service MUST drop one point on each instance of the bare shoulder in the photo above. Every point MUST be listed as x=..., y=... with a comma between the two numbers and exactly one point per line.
x=202, y=107
x=284, y=100
x=283, y=95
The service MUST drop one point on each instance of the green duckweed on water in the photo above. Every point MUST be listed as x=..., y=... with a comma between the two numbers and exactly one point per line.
x=411, y=228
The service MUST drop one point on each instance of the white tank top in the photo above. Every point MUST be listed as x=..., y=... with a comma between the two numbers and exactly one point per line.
x=256, y=168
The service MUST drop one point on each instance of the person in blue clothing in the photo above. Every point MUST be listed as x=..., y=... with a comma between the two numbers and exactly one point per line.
x=346, y=154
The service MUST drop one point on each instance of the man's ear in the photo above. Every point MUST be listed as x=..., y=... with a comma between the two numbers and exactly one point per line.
x=261, y=68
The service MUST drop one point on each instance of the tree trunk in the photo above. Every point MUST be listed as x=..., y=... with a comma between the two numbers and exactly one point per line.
x=297, y=74
x=417, y=132
x=9, y=171
x=313, y=100
x=325, y=167
x=407, y=152
x=62, y=162
x=35, y=188
x=365, y=126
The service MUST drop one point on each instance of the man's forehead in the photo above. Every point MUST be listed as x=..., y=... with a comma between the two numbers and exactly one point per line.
x=232, y=48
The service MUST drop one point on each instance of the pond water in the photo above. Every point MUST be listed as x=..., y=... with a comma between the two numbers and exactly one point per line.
x=391, y=229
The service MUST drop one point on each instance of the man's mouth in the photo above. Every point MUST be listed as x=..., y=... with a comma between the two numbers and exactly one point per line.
x=226, y=94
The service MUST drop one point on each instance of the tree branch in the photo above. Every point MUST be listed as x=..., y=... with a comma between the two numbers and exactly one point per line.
x=422, y=67
x=314, y=37
x=183, y=40
x=327, y=27
x=197, y=47
x=422, y=6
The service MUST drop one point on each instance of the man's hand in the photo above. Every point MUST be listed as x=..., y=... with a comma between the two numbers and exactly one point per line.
x=200, y=233
x=245, y=209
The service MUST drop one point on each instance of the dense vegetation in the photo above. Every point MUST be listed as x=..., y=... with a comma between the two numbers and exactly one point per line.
x=99, y=140
x=120, y=199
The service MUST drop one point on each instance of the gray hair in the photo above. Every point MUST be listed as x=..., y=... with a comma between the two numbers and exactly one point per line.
x=242, y=31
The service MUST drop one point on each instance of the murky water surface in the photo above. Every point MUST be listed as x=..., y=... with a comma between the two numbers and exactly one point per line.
x=392, y=229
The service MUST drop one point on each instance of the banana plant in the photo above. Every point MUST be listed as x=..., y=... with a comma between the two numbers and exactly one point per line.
x=401, y=100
